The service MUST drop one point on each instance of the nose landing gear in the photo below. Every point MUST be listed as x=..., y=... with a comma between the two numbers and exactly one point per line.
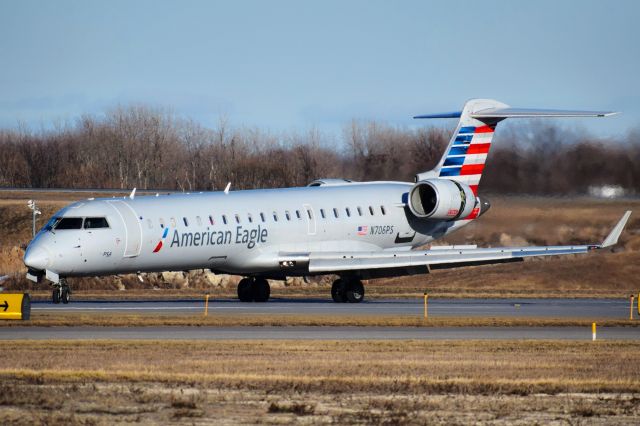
x=252, y=289
x=61, y=292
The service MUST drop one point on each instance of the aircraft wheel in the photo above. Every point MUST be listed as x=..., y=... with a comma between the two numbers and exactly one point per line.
x=65, y=291
x=66, y=295
x=355, y=291
x=245, y=293
x=261, y=290
x=55, y=295
x=338, y=291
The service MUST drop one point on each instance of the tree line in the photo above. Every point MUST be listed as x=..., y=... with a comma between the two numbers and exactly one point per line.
x=149, y=148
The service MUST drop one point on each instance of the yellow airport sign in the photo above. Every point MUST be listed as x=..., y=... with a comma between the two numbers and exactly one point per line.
x=15, y=306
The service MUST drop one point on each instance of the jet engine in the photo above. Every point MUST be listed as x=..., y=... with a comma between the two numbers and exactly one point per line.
x=441, y=199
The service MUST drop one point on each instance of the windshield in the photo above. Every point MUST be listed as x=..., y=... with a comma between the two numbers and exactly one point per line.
x=68, y=223
x=57, y=223
x=52, y=222
x=95, y=222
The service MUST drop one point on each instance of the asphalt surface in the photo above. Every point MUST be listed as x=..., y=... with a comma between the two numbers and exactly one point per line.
x=490, y=308
x=478, y=308
x=317, y=333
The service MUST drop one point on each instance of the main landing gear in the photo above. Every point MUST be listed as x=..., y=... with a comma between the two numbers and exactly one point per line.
x=61, y=292
x=253, y=289
x=347, y=290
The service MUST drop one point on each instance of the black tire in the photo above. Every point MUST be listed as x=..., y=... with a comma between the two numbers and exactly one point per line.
x=338, y=291
x=66, y=295
x=245, y=293
x=355, y=291
x=55, y=295
x=261, y=290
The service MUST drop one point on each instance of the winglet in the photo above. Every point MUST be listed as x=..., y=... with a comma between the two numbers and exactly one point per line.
x=613, y=236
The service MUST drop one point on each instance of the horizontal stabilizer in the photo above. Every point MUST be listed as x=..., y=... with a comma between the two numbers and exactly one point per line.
x=532, y=113
x=454, y=114
x=509, y=112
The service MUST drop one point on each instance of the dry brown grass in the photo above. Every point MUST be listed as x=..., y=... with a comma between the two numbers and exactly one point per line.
x=329, y=381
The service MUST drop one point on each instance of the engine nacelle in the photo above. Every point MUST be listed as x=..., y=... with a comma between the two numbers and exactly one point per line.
x=441, y=199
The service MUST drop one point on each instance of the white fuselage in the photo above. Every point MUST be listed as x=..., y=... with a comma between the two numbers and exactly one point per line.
x=240, y=232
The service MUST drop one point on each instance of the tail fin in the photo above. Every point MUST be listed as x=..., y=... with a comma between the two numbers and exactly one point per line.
x=464, y=158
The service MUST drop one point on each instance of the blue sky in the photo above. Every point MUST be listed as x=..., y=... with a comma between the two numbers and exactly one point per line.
x=285, y=65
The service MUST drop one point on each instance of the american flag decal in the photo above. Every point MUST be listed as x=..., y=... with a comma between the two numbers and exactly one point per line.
x=362, y=230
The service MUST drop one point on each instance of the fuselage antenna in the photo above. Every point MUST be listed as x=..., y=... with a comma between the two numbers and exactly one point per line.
x=226, y=190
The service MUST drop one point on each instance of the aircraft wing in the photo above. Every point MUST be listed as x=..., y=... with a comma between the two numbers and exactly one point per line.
x=439, y=258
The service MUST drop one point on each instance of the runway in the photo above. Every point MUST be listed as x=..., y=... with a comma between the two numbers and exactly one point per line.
x=317, y=333
x=487, y=308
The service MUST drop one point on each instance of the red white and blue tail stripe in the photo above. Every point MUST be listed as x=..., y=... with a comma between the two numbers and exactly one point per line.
x=466, y=155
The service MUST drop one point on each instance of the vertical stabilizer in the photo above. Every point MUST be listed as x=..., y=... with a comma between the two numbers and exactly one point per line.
x=467, y=151
x=463, y=160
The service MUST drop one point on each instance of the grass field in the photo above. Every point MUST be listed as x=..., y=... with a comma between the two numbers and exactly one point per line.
x=511, y=221
x=412, y=382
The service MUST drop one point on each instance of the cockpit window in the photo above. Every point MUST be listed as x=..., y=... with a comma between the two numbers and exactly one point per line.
x=95, y=222
x=68, y=223
x=52, y=222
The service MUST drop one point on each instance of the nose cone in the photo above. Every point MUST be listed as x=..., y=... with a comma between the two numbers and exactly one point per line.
x=485, y=205
x=36, y=258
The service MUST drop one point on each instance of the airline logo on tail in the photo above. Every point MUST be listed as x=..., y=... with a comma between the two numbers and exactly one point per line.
x=466, y=157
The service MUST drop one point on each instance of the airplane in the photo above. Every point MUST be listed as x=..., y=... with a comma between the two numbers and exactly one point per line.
x=355, y=230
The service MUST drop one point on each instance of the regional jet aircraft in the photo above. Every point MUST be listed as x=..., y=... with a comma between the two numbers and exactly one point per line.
x=355, y=230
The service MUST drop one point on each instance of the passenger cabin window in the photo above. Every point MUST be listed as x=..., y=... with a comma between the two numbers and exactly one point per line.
x=173, y=222
x=211, y=221
x=359, y=211
x=262, y=217
x=298, y=214
x=335, y=212
x=237, y=218
x=310, y=213
x=149, y=223
x=69, y=223
x=161, y=220
x=287, y=215
x=186, y=223
x=383, y=210
x=250, y=217
x=198, y=220
x=224, y=219
x=371, y=210
x=100, y=222
x=348, y=212
x=275, y=216
x=322, y=213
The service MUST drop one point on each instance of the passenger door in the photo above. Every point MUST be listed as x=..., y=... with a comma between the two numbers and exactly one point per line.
x=132, y=228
